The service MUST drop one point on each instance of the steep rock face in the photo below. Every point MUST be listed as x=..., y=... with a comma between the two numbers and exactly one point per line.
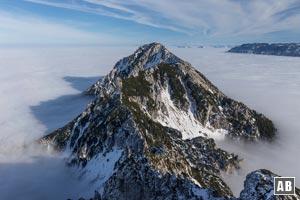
x=147, y=134
x=148, y=154
x=260, y=185
x=193, y=104
x=285, y=49
x=178, y=96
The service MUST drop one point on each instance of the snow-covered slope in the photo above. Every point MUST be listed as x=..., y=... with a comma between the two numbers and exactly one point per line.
x=184, y=121
x=148, y=132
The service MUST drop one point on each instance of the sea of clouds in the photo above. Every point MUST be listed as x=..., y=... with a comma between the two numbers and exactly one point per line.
x=41, y=89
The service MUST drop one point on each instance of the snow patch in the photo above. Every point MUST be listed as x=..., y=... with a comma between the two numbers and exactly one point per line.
x=184, y=121
x=100, y=168
x=200, y=192
x=68, y=150
x=156, y=60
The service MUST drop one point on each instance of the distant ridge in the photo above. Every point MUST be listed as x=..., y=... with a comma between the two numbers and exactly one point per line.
x=279, y=49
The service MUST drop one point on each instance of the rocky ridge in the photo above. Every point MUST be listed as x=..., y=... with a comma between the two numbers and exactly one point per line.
x=281, y=49
x=148, y=132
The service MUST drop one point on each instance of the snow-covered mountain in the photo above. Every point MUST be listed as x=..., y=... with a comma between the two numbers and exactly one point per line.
x=149, y=132
x=173, y=93
x=284, y=49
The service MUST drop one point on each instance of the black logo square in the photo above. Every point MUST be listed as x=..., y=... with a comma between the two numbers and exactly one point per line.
x=284, y=185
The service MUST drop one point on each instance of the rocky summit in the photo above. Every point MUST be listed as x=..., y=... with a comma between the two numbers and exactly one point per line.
x=149, y=132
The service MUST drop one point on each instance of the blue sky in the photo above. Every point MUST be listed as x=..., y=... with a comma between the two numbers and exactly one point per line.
x=134, y=22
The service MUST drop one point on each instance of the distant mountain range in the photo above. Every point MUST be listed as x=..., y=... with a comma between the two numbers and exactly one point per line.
x=203, y=46
x=149, y=133
x=281, y=49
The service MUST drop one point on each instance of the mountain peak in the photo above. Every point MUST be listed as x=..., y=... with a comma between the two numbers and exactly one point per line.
x=148, y=132
x=145, y=57
x=152, y=47
x=155, y=45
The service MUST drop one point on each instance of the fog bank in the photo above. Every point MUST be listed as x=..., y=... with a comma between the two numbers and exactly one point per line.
x=41, y=91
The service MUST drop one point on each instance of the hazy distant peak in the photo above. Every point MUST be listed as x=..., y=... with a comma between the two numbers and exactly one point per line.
x=277, y=49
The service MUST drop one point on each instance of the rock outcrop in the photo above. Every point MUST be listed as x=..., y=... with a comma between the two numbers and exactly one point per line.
x=260, y=185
